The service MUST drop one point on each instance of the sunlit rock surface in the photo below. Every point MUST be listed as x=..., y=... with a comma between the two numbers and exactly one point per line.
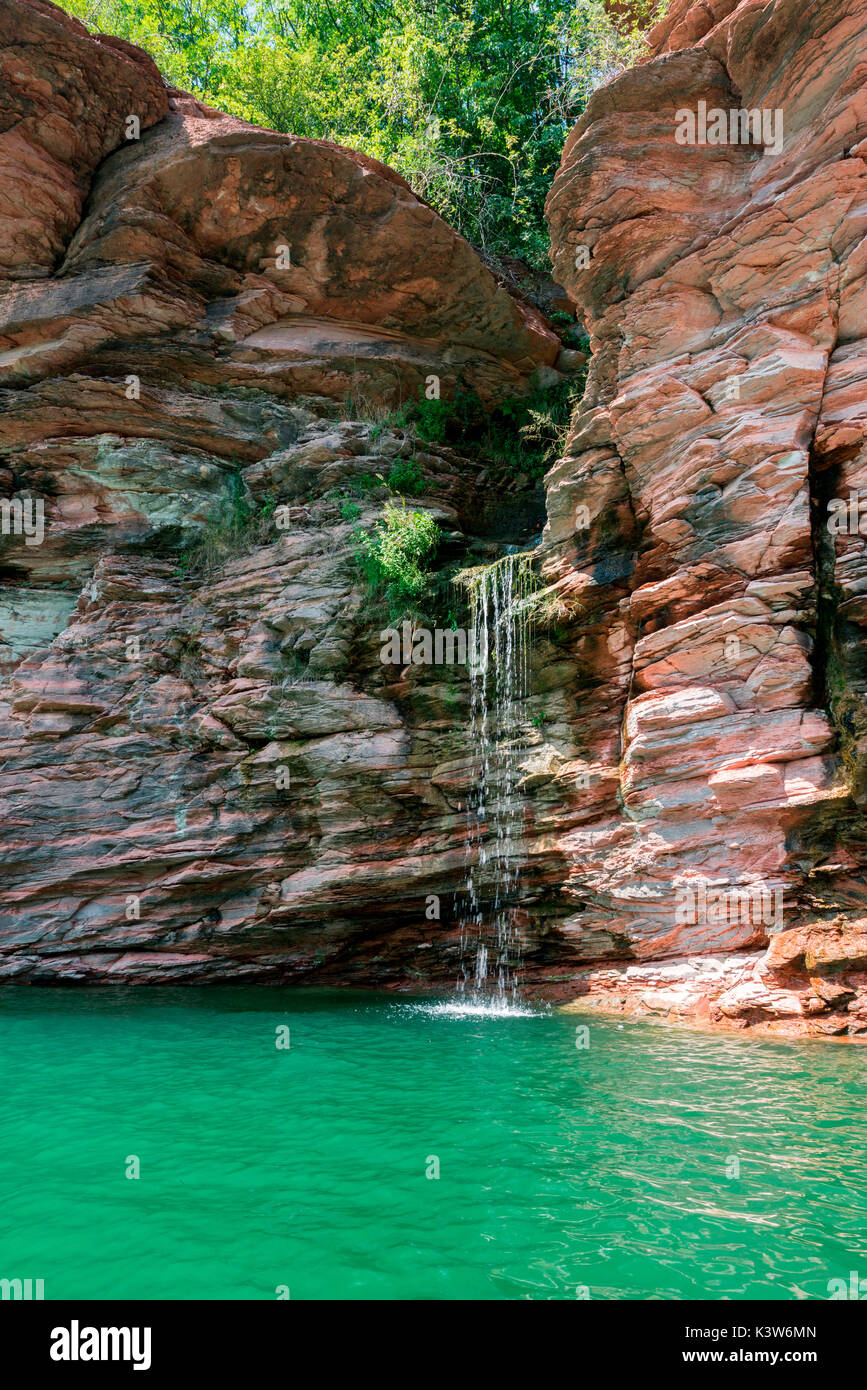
x=213, y=775
x=722, y=653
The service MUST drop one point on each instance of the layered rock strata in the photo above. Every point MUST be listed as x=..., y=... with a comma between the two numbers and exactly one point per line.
x=709, y=217
x=211, y=774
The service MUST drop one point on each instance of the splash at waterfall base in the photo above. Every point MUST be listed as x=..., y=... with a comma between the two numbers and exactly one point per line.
x=780, y=982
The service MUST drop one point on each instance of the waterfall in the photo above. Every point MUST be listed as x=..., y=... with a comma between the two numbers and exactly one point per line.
x=500, y=598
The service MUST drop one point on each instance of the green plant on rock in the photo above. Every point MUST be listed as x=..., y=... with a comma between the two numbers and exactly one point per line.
x=545, y=430
x=374, y=413
x=395, y=557
x=470, y=100
x=849, y=717
x=521, y=434
x=433, y=420
x=186, y=650
x=540, y=718
x=358, y=487
x=406, y=477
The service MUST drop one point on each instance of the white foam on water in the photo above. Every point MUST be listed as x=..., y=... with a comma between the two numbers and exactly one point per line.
x=494, y=1007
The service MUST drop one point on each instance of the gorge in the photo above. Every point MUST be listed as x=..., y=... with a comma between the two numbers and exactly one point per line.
x=208, y=774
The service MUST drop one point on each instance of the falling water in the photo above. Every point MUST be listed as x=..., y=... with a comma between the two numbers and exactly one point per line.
x=500, y=604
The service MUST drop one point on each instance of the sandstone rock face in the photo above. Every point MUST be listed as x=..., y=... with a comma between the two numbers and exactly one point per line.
x=721, y=649
x=240, y=240
x=65, y=105
x=211, y=773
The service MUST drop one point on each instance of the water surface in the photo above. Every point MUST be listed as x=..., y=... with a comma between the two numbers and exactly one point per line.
x=559, y=1169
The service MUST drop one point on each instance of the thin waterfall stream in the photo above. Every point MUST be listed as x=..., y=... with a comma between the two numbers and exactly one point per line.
x=500, y=599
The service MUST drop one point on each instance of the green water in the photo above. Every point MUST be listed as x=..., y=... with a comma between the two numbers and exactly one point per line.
x=306, y=1167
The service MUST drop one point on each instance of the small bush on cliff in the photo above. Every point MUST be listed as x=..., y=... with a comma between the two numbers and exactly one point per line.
x=378, y=416
x=405, y=477
x=544, y=430
x=522, y=434
x=395, y=557
x=433, y=420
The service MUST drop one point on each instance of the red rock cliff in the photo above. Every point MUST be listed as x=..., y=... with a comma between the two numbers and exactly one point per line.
x=217, y=777
x=722, y=664
x=692, y=793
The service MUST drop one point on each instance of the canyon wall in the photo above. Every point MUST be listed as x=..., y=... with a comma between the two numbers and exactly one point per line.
x=214, y=775
x=720, y=264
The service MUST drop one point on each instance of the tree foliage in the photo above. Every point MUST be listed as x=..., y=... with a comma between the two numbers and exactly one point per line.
x=469, y=99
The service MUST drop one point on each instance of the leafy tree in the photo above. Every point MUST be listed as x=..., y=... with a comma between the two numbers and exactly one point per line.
x=469, y=99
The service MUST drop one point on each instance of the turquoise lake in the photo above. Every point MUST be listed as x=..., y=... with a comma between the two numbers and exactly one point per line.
x=560, y=1170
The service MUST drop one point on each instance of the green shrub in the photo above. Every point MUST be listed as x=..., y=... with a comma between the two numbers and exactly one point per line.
x=395, y=557
x=470, y=100
x=433, y=420
x=346, y=497
x=406, y=477
x=238, y=526
x=522, y=434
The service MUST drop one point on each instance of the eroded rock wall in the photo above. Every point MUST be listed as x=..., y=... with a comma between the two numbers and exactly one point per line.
x=722, y=646
x=213, y=775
